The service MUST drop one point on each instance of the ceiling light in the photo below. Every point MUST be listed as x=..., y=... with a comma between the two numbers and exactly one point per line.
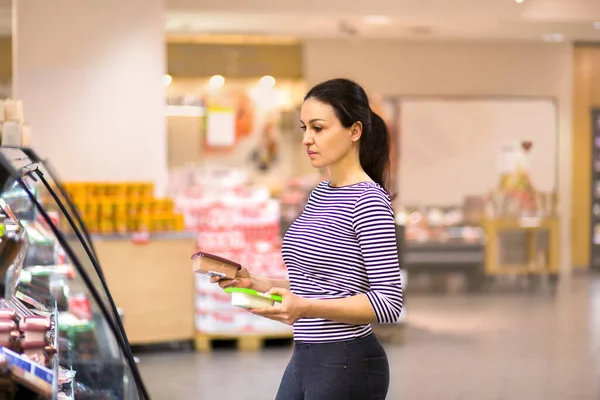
x=168, y=79
x=596, y=25
x=519, y=1
x=267, y=81
x=376, y=19
x=216, y=81
x=552, y=37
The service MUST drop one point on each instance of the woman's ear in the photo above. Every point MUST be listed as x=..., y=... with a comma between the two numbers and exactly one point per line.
x=356, y=131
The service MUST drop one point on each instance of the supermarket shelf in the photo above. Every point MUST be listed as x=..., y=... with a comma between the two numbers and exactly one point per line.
x=153, y=236
x=442, y=257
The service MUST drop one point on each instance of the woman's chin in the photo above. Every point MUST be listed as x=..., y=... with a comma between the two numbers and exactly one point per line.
x=317, y=164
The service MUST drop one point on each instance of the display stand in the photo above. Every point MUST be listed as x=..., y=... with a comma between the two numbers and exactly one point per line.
x=440, y=258
x=156, y=273
x=540, y=259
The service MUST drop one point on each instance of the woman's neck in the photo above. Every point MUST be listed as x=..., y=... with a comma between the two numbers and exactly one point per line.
x=347, y=171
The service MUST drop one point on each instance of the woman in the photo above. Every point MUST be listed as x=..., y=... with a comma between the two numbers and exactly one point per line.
x=340, y=253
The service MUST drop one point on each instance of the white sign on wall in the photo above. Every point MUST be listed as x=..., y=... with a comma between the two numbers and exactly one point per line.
x=220, y=128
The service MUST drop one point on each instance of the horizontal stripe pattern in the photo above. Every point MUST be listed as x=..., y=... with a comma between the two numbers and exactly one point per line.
x=344, y=244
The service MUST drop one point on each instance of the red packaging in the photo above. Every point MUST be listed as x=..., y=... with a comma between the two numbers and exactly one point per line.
x=79, y=305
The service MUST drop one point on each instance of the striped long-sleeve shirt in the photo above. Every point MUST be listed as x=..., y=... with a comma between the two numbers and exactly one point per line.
x=344, y=244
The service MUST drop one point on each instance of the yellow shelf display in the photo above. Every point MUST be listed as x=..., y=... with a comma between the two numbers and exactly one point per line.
x=123, y=207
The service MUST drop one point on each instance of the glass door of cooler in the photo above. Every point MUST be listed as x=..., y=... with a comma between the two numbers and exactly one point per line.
x=595, y=212
x=72, y=224
x=52, y=177
x=63, y=271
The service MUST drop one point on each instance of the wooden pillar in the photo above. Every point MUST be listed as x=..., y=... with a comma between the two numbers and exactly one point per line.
x=586, y=95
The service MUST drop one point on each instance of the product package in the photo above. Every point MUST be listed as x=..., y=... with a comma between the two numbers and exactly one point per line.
x=212, y=265
x=249, y=298
x=13, y=110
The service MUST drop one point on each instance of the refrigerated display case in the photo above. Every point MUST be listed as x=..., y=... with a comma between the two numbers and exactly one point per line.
x=481, y=251
x=51, y=276
x=457, y=252
x=439, y=240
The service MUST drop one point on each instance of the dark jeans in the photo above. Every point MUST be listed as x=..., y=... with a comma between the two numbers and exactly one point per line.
x=351, y=370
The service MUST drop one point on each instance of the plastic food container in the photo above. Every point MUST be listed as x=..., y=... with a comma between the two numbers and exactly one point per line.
x=249, y=298
x=209, y=264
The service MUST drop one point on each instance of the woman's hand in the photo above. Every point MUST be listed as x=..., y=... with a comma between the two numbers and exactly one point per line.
x=243, y=279
x=292, y=307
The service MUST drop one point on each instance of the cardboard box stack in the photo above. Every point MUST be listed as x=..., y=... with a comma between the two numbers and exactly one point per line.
x=13, y=130
x=239, y=222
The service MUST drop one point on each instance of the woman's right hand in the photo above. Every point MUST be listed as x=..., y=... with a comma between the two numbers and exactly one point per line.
x=242, y=279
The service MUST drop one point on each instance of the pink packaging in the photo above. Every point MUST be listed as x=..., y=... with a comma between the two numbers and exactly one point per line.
x=7, y=314
x=35, y=328
x=6, y=327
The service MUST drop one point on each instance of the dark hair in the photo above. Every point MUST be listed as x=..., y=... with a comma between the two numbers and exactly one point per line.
x=351, y=104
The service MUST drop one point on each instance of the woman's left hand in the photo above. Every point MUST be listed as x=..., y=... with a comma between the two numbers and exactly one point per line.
x=291, y=309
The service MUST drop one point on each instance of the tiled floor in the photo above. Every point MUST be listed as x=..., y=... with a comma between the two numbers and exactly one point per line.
x=508, y=345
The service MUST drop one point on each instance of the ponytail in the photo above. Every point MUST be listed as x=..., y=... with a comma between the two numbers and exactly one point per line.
x=374, y=151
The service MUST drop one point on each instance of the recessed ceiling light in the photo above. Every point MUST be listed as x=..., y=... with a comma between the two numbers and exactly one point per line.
x=216, y=81
x=376, y=19
x=552, y=37
x=519, y=1
x=267, y=81
x=596, y=25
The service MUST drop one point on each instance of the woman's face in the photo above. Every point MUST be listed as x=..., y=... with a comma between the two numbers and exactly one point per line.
x=326, y=140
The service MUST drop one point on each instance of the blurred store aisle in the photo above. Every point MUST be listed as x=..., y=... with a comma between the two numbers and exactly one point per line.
x=501, y=346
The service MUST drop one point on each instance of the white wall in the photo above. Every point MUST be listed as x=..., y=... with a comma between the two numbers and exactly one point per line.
x=451, y=148
x=503, y=69
x=90, y=75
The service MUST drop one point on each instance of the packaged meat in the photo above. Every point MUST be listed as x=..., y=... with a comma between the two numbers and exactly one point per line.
x=6, y=327
x=65, y=376
x=35, y=323
x=7, y=314
x=210, y=264
x=35, y=351
x=50, y=350
x=34, y=328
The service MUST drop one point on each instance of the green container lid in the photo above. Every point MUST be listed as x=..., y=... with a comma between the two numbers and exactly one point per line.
x=253, y=292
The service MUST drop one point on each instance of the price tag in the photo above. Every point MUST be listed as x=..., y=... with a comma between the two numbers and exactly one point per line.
x=140, y=238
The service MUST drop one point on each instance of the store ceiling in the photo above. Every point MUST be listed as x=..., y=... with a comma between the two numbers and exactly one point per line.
x=551, y=20
x=5, y=17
